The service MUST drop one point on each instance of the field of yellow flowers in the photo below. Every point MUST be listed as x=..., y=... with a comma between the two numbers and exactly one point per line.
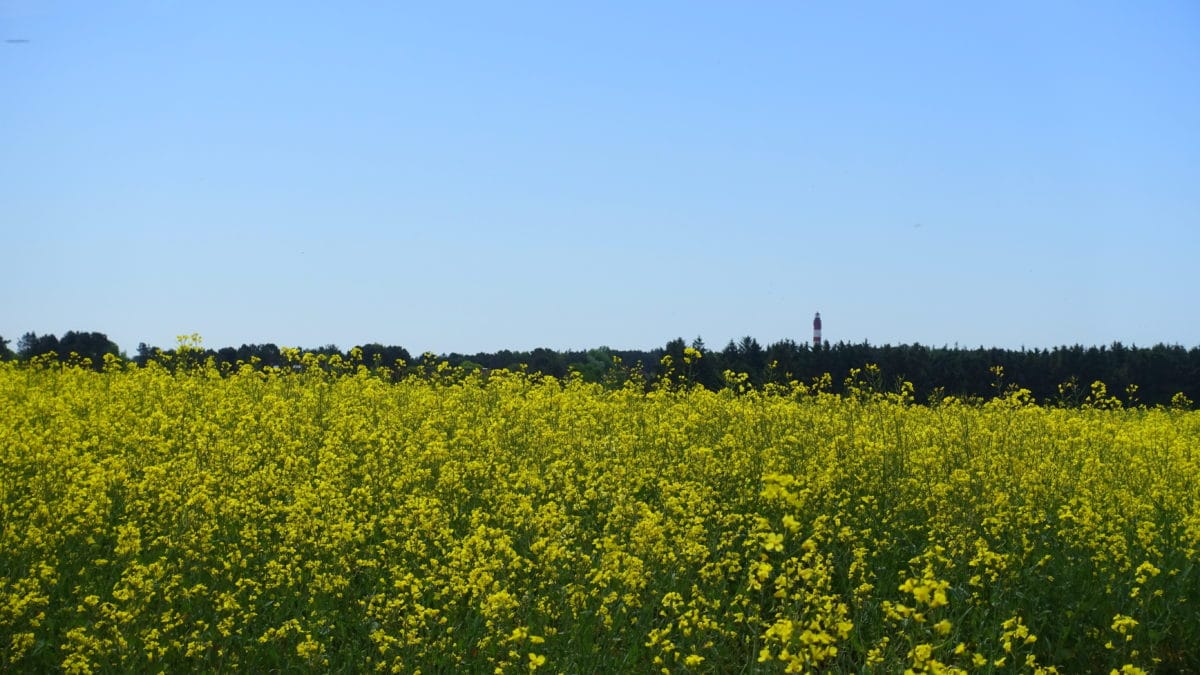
x=332, y=517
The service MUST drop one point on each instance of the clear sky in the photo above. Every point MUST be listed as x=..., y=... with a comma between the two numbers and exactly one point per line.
x=460, y=176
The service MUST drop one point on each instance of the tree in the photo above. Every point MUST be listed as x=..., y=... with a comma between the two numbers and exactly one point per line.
x=144, y=353
x=226, y=355
x=375, y=354
x=594, y=363
x=706, y=371
x=5, y=352
x=92, y=346
x=674, y=349
x=31, y=345
x=547, y=361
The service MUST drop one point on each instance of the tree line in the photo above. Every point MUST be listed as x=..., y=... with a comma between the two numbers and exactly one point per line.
x=1150, y=375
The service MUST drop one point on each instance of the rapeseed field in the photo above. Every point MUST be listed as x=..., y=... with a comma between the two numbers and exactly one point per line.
x=334, y=517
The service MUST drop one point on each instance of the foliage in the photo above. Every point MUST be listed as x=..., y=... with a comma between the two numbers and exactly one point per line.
x=326, y=515
x=74, y=346
x=1140, y=375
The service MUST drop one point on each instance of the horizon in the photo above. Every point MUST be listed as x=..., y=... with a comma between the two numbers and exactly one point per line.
x=458, y=179
x=710, y=347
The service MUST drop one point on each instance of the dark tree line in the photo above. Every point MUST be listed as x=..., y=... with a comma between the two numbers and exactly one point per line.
x=83, y=345
x=1059, y=374
x=1150, y=375
x=272, y=356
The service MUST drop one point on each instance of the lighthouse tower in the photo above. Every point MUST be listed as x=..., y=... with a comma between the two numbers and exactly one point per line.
x=817, y=331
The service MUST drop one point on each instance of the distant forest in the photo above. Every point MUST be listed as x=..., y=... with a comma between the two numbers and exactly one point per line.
x=1155, y=375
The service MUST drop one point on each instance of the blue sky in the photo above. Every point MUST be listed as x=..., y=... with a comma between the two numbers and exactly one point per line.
x=481, y=176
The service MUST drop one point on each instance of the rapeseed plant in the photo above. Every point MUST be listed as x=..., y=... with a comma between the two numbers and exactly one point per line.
x=332, y=516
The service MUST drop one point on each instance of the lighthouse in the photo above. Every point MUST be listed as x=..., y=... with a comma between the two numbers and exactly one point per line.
x=817, y=331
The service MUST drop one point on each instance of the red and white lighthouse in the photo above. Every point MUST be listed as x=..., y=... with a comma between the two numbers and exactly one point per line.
x=817, y=331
